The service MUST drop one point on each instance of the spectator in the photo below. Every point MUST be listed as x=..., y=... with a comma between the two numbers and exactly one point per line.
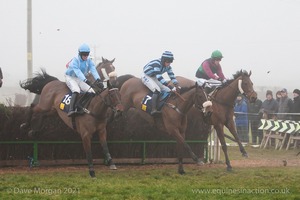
x=241, y=118
x=284, y=106
x=269, y=106
x=254, y=120
x=296, y=105
x=278, y=96
x=1, y=77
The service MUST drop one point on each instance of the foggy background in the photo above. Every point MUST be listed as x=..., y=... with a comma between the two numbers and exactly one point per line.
x=257, y=35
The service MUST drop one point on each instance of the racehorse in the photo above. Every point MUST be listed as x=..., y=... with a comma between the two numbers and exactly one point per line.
x=223, y=99
x=173, y=119
x=105, y=69
x=52, y=92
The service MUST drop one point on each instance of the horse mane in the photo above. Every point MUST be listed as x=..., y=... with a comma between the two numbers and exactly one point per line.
x=121, y=80
x=186, y=89
x=37, y=83
x=235, y=76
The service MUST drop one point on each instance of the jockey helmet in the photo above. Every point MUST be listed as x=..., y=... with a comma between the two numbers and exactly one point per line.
x=84, y=48
x=216, y=55
x=167, y=56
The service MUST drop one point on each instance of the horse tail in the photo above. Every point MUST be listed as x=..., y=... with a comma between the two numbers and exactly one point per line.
x=37, y=83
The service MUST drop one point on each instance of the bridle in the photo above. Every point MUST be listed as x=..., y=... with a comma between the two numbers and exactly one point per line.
x=240, y=90
x=196, y=104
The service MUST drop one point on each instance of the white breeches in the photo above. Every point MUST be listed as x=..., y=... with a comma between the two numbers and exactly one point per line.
x=77, y=85
x=208, y=83
x=153, y=84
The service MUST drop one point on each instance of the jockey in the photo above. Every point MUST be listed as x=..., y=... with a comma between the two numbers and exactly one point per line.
x=210, y=71
x=76, y=73
x=153, y=79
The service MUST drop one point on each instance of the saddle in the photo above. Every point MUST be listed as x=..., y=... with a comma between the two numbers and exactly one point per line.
x=209, y=85
x=83, y=101
x=147, y=101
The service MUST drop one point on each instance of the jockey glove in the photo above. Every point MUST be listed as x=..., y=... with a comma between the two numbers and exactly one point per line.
x=172, y=88
x=87, y=82
x=178, y=88
x=99, y=84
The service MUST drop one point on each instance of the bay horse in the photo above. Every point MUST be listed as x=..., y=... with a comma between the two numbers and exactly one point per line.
x=52, y=92
x=223, y=99
x=105, y=69
x=173, y=118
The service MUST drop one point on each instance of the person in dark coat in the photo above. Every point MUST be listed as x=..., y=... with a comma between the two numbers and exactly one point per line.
x=1, y=77
x=269, y=106
x=284, y=106
x=241, y=118
x=296, y=105
x=254, y=120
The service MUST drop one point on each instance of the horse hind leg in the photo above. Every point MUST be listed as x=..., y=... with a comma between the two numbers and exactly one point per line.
x=28, y=116
x=26, y=126
x=232, y=129
x=88, y=151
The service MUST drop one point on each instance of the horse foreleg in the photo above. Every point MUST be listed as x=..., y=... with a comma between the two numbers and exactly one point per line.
x=103, y=142
x=231, y=127
x=180, y=151
x=86, y=140
x=221, y=137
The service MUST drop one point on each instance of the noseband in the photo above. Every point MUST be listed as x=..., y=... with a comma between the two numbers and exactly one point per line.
x=247, y=95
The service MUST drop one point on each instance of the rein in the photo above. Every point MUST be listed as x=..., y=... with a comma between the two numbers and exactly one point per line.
x=229, y=86
x=183, y=99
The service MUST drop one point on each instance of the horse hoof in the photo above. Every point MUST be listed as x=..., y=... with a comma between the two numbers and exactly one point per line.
x=31, y=133
x=229, y=169
x=200, y=162
x=245, y=155
x=92, y=174
x=181, y=172
x=113, y=167
x=23, y=126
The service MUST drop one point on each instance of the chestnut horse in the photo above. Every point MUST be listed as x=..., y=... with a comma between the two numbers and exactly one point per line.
x=223, y=99
x=173, y=119
x=52, y=92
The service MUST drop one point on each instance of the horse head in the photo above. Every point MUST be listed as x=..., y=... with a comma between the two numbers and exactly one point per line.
x=114, y=97
x=106, y=70
x=245, y=86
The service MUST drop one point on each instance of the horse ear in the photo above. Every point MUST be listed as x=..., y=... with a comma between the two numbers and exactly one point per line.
x=250, y=73
x=103, y=59
x=113, y=60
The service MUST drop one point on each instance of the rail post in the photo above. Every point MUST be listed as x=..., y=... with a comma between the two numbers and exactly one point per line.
x=35, y=155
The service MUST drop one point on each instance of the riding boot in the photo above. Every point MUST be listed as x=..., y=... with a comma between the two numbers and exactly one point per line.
x=72, y=109
x=154, y=103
